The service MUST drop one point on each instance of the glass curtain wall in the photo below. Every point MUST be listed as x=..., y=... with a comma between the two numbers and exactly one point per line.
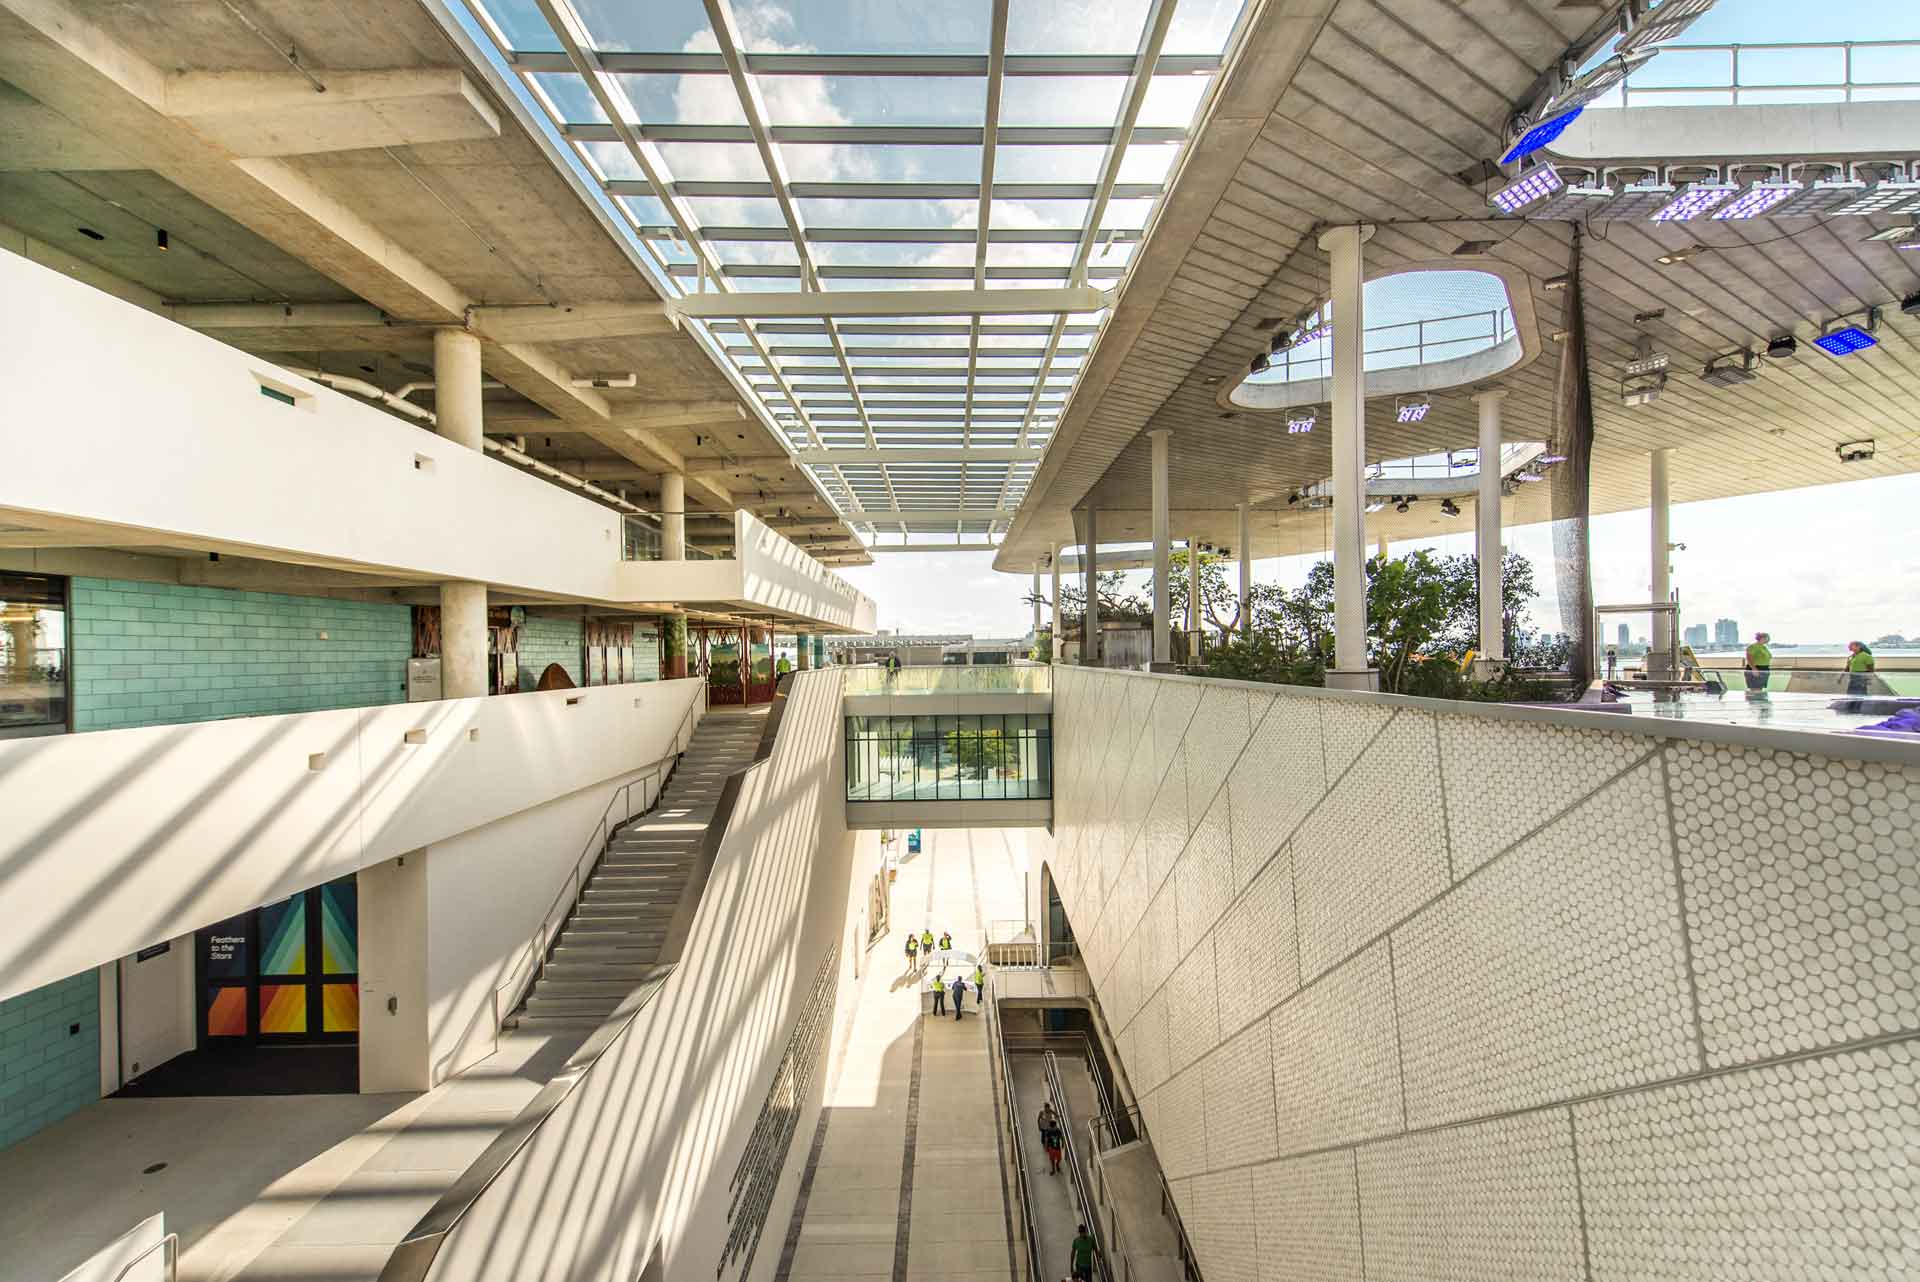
x=33, y=655
x=973, y=757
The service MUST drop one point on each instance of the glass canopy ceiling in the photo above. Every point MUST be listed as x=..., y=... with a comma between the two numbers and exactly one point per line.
x=846, y=147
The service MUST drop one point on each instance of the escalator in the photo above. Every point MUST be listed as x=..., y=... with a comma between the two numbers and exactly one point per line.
x=1109, y=1181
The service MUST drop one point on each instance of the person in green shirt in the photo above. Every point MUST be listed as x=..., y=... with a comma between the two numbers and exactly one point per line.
x=1859, y=667
x=1759, y=661
x=1083, y=1256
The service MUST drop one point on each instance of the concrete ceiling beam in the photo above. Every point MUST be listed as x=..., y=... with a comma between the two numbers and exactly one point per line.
x=221, y=316
x=575, y=323
x=280, y=113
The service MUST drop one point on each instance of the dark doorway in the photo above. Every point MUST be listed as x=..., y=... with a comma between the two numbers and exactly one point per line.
x=278, y=1002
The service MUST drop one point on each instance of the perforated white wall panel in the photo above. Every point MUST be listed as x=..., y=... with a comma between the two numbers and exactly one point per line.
x=1481, y=993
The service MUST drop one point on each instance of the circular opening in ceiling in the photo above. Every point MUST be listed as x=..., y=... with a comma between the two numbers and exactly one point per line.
x=1425, y=330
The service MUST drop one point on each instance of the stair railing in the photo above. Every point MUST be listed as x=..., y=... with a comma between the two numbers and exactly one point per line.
x=1089, y=1211
x=1010, y=1122
x=540, y=945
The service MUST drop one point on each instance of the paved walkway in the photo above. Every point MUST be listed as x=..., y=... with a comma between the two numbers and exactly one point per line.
x=904, y=1176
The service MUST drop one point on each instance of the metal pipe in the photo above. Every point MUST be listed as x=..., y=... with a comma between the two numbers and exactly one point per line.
x=360, y=387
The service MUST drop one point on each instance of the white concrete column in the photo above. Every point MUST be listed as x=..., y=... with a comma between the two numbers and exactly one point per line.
x=463, y=640
x=1349, y=459
x=1089, y=574
x=1055, y=636
x=1245, y=535
x=1380, y=546
x=1487, y=527
x=1193, y=596
x=1036, y=600
x=456, y=387
x=1162, y=549
x=1661, y=589
x=673, y=516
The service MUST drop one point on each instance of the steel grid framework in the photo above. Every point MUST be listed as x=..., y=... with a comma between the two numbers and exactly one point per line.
x=747, y=171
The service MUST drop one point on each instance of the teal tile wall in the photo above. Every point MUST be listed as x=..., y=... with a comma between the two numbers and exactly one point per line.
x=47, y=1070
x=155, y=653
x=545, y=640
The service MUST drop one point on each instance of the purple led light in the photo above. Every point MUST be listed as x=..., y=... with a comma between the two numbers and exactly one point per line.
x=1845, y=342
x=1414, y=411
x=1297, y=426
x=1756, y=200
x=1694, y=199
x=1535, y=185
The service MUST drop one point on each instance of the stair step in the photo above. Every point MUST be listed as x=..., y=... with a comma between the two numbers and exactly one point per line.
x=633, y=973
x=582, y=1007
x=595, y=989
x=553, y=1024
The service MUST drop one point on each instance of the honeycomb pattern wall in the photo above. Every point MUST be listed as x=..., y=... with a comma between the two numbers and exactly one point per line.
x=1488, y=993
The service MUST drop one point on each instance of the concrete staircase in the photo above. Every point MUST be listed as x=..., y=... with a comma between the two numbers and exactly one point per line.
x=611, y=942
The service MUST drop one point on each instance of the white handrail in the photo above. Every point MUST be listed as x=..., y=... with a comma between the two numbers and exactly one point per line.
x=1732, y=86
x=170, y=1244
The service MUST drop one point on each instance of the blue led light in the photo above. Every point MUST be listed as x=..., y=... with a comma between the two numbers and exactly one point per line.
x=1541, y=135
x=1845, y=342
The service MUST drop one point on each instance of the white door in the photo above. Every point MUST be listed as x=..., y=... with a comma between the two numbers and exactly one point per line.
x=156, y=1006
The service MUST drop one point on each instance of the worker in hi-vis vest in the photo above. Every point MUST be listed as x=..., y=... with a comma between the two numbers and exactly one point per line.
x=939, y=995
x=1759, y=661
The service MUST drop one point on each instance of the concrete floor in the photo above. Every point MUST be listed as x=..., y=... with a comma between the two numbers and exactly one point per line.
x=904, y=1182
x=288, y=1188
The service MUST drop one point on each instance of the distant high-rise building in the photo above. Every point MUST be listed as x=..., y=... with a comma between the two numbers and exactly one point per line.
x=1726, y=632
x=1624, y=635
x=1696, y=636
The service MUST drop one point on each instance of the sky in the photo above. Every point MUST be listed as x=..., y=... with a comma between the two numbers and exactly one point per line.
x=1829, y=563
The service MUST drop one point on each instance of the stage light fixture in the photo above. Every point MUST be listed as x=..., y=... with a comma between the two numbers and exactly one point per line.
x=1552, y=455
x=1281, y=341
x=1260, y=364
x=1903, y=236
x=1412, y=409
x=1541, y=135
x=1845, y=341
x=1728, y=374
x=1402, y=505
x=1854, y=451
x=1883, y=198
x=1449, y=508
x=1783, y=347
x=1758, y=198
x=1576, y=202
x=1535, y=185
x=1635, y=201
x=1693, y=200
x=1301, y=422
x=1374, y=505
x=1911, y=305
x=1674, y=257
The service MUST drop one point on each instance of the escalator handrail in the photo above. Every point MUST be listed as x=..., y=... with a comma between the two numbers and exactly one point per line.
x=998, y=1038
x=1058, y=1095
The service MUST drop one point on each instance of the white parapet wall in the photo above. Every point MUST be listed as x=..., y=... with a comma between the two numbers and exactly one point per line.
x=1475, y=991
x=121, y=838
x=191, y=443
x=643, y=1159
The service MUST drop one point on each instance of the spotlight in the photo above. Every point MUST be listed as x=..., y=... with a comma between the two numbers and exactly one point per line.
x=1729, y=375
x=1449, y=508
x=1536, y=184
x=1911, y=305
x=1854, y=451
x=1293, y=500
x=1402, y=505
x=1693, y=200
x=1413, y=409
x=1782, y=347
x=1901, y=237
x=1541, y=135
x=1374, y=505
x=1301, y=422
x=1676, y=256
x=1554, y=284
x=1260, y=364
x=1845, y=340
x=1553, y=455
x=1757, y=199
x=1282, y=340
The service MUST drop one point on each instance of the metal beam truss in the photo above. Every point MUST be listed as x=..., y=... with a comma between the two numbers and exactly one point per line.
x=912, y=293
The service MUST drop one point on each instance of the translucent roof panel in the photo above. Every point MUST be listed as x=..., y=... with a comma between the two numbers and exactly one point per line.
x=874, y=100
x=865, y=26
x=876, y=116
